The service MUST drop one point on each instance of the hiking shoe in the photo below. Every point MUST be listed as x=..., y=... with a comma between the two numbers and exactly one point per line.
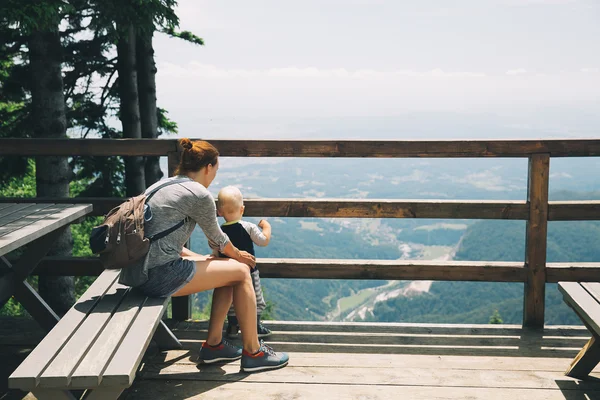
x=265, y=359
x=232, y=331
x=223, y=352
x=262, y=330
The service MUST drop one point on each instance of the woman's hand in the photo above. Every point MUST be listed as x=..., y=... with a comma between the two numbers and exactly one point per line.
x=246, y=258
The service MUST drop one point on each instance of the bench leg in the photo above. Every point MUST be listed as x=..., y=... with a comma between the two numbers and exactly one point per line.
x=53, y=394
x=104, y=394
x=165, y=339
x=586, y=360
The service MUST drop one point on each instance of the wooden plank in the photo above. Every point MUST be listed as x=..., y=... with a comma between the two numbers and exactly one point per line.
x=122, y=368
x=25, y=221
x=86, y=147
x=407, y=340
x=181, y=308
x=35, y=305
x=59, y=371
x=593, y=288
x=405, y=148
x=341, y=375
x=211, y=390
x=404, y=327
x=4, y=206
x=338, y=269
x=26, y=376
x=574, y=210
x=164, y=338
x=536, y=240
x=344, y=208
x=586, y=360
x=572, y=272
x=307, y=148
x=16, y=211
x=89, y=373
x=392, y=361
x=33, y=231
x=379, y=208
x=586, y=307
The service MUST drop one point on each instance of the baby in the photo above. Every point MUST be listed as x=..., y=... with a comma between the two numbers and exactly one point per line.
x=243, y=235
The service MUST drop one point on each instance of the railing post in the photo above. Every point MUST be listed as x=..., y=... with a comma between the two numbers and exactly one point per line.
x=181, y=307
x=535, y=242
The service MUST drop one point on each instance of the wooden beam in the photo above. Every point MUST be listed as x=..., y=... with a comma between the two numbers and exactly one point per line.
x=86, y=147
x=536, y=239
x=406, y=148
x=574, y=210
x=181, y=308
x=308, y=148
x=572, y=272
x=556, y=272
x=336, y=269
x=372, y=208
x=343, y=208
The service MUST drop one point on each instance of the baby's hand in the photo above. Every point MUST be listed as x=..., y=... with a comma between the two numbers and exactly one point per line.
x=263, y=223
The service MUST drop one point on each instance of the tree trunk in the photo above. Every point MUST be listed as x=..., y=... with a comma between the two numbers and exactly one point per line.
x=147, y=91
x=130, y=110
x=52, y=173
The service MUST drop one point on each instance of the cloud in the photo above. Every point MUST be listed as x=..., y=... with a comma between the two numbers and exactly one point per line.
x=197, y=69
x=518, y=71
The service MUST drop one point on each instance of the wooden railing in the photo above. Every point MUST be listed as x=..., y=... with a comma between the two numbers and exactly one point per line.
x=536, y=209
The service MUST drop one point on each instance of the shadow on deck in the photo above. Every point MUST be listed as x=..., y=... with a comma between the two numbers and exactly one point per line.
x=359, y=361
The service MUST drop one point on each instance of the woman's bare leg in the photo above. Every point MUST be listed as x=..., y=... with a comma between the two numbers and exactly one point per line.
x=221, y=301
x=216, y=273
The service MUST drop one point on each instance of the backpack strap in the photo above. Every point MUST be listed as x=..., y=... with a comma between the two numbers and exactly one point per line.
x=164, y=233
x=172, y=182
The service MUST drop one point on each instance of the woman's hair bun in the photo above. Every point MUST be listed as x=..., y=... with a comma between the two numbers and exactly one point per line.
x=186, y=143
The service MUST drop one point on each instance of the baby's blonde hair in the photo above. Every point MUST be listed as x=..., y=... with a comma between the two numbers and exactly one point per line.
x=230, y=199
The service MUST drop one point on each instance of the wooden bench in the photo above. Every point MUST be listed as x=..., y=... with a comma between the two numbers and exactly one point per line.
x=98, y=345
x=584, y=299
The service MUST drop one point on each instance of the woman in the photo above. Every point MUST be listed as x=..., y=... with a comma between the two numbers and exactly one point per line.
x=169, y=269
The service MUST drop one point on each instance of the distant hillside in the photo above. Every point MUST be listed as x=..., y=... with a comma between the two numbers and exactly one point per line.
x=308, y=299
x=474, y=302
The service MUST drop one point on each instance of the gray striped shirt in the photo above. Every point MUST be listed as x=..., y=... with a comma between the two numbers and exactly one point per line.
x=170, y=205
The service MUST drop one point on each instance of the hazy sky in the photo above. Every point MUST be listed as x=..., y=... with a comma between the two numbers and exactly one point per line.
x=380, y=58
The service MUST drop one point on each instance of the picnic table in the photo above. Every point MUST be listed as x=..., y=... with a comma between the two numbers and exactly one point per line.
x=36, y=225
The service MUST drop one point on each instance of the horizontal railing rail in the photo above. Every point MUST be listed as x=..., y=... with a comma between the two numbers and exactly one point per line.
x=301, y=268
x=308, y=148
x=372, y=208
x=534, y=272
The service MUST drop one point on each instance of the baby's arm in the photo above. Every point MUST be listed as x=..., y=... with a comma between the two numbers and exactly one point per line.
x=260, y=238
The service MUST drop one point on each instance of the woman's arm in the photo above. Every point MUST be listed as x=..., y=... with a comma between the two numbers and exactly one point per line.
x=242, y=256
x=185, y=252
x=205, y=215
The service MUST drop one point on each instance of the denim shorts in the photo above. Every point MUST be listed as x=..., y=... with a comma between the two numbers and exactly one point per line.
x=166, y=280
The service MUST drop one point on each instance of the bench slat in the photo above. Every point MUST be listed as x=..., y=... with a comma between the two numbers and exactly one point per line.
x=58, y=373
x=47, y=222
x=122, y=368
x=585, y=305
x=5, y=206
x=19, y=211
x=88, y=373
x=26, y=376
x=24, y=221
x=593, y=289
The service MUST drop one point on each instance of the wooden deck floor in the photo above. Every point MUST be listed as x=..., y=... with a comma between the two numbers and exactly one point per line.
x=363, y=361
